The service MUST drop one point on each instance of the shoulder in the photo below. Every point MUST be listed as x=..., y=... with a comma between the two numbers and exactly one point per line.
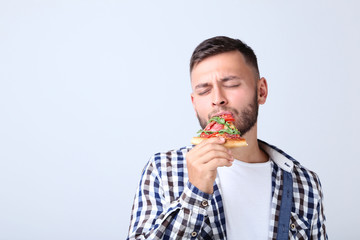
x=303, y=178
x=171, y=155
x=169, y=160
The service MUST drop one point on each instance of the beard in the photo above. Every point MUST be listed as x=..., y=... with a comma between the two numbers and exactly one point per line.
x=244, y=120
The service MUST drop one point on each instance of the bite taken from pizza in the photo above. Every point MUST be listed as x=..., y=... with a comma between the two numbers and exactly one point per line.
x=221, y=126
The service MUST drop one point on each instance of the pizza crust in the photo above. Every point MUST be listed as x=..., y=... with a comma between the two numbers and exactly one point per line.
x=230, y=143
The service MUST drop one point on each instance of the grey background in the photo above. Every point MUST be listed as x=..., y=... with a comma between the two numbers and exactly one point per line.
x=89, y=90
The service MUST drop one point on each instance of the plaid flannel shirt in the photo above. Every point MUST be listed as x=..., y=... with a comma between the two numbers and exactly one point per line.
x=168, y=206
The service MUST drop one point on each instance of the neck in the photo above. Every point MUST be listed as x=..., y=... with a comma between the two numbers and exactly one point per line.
x=252, y=153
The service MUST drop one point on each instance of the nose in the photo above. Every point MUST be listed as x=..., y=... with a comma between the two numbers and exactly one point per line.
x=219, y=98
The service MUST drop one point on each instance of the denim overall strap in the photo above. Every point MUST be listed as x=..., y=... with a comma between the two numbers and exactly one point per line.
x=285, y=207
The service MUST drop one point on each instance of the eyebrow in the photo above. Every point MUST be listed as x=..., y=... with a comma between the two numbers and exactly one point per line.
x=202, y=85
x=228, y=78
x=225, y=79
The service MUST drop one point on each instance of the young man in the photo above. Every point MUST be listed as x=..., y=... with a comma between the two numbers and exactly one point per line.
x=211, y=192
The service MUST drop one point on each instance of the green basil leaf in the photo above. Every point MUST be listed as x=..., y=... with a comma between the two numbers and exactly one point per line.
x=218, y=120
x=222, y=121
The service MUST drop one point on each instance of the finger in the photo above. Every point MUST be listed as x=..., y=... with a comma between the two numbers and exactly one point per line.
x=208, y=144
x=206, y=154
x=213, y=154
x=218, y=162
x=211, y=147
x=212, y=143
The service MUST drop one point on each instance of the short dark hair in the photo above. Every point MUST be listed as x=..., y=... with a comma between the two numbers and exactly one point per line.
x=222, y=44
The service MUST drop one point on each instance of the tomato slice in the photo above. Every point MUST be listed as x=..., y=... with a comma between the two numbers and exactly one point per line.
x=228, y=117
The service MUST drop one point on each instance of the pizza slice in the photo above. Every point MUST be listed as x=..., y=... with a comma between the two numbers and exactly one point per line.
x=221, y=126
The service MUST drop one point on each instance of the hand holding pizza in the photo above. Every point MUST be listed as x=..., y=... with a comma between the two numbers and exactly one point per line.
x=204, y=159
x=212, y=151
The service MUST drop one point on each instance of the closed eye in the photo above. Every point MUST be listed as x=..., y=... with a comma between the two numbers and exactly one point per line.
x=232, y=85
x=231, y=82
x=203, y=88
x=203, y=92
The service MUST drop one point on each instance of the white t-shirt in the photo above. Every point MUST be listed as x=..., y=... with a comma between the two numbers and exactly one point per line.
x=246, y=195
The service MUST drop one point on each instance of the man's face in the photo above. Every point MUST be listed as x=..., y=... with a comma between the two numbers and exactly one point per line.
x=225, y=83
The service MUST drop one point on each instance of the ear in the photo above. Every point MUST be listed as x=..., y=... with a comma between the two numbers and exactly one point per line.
x=262, y=88
x=192, y=100
x=193, y=103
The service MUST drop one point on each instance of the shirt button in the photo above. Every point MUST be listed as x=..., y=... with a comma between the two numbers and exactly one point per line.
x=293, y=226
x=194, y=234
x=204, y=203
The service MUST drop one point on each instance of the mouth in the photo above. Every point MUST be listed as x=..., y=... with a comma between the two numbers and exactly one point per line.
x=222, y=113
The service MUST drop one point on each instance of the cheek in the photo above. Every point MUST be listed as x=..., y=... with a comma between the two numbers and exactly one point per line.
x=242, y=95
x=237, y=98
x=201, y=105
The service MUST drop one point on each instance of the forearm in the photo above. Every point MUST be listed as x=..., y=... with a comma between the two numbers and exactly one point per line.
x=176, y=220
x=155, y=215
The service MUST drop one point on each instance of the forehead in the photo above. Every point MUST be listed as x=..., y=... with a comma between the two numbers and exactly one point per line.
x=219, y=66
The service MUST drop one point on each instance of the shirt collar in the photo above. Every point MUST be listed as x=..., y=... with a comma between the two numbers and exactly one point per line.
x=277, y=156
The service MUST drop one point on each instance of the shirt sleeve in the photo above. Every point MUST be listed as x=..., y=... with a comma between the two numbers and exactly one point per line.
x=155, y=217
x=318, y=229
